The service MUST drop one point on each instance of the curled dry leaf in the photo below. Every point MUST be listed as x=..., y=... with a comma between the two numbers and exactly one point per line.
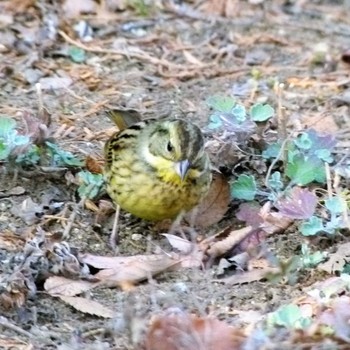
x=234, y=237
x=88, y=306
x=214, y=205
x=177, y=330
x=94, y=165
x=273, y=222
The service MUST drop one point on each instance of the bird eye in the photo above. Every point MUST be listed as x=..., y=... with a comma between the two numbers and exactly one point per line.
x=170, y=147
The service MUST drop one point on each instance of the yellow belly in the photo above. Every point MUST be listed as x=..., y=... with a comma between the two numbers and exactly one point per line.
x=150, y=198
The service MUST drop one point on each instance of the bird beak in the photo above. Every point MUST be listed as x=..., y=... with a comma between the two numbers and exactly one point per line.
x=182, y=168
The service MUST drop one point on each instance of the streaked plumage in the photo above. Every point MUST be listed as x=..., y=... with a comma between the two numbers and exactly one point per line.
x=157, y=169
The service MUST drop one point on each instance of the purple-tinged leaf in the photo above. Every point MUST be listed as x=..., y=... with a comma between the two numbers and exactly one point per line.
x=250, y=214
x=325, y=141
x=299, y=203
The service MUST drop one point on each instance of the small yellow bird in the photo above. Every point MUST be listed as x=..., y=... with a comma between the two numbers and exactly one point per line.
x=157, y=169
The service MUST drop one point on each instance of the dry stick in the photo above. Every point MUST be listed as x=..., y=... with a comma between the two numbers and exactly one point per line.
x=4, y=322
x=281, y=118
x=329, y=180
x=282, y=132
x=141, y=56
x=40, y=98
x=114, y=235
x=72, y=217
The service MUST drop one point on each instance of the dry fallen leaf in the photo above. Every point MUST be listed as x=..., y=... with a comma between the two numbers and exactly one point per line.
x=114, y=271
x=177, y=330
x=74, y=9
x=94, y=165
x=214, y=205
x=61, y=286
x=11, y=242
x=7, y=343
x=224, y=245
x=250, y=276
x=55, y=83
x=226, y=8
x=336, y=260
x=181, y=244
x=88, y=306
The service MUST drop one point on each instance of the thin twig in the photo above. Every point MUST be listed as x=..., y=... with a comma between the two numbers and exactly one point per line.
x=279, y=156
x=113, y=240
x=329, y=180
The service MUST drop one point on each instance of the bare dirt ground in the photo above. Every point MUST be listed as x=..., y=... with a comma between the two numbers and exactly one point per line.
x=161, y=59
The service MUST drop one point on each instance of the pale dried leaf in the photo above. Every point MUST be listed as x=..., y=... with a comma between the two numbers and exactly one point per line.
x=74, y=9
x=336, y=260
x=113, y=5
x=273, y=222
x=55, y=83
x=88, y=306
x=7, y=343
x=183, y=245
x=61, y=286
x=118, y=270
x=10, y=241
x=226, y=8
x=28, y=211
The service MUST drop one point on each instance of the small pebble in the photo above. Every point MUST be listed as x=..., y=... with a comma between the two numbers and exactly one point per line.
x=136, y=237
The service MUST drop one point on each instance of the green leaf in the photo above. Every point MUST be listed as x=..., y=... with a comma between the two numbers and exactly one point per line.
x=31, y=157
x=312, y=226
x=244, y=188
x=310, y=259
x=61, y=157
x=346, y=269
x=303, y=141
x=275, y=181
x=77, y=54
x=215, y=122
x=90, y=184
x=304, y=170
x=6, y=126
x=9, y=138
x=336, y=205
x=260, y=112
x=4, y=151
x=289, y=316
x=325, y=155
x=272, y=150
x=239, y=112
x=220, y=103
